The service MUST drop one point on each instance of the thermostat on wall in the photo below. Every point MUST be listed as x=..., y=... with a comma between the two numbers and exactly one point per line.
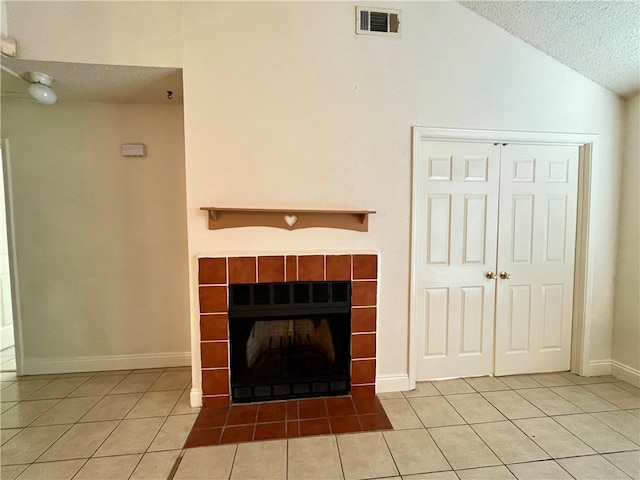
x=134, y=150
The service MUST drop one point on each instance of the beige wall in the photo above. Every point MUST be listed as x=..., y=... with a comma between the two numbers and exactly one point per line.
x=626, y=327
x=101, y=240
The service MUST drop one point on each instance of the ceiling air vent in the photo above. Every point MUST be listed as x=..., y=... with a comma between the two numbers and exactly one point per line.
x=377, y=21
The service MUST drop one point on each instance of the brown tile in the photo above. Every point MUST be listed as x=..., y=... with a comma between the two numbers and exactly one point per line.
x=242, y=414
x=213, y=299
x=310, y=267
x=292, y=410
x=363, y=371
x=212, y=270
x=363, y=319
x=362, y=391
x=365, y=267
x=203, y=438
x=270, y=269
x=216, y=401
x=364, y=293
x=293, y=429
x=367, y=405
x=291, y=273
x=363, y=346
x=242, y=270
x=313, y=408
x=316, y=426
x=345, y=424
x=338, y=267
x=243, y=433
x=214, y=327
x=375, y=422
x=268, y=431
x=210, y=417
x=214, y=354
x=215, y=382
x=272, y=412
x=340, y=406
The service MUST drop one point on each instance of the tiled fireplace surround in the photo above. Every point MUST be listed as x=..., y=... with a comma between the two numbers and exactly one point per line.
x=216, y=273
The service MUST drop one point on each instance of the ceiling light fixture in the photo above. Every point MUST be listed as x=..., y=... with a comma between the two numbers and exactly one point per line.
x=40, y=88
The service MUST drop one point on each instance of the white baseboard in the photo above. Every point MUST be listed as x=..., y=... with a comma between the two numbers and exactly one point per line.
x=392, y=383
x=597, y=367
x=38, y=366
x=195, y=396
x=625, y=372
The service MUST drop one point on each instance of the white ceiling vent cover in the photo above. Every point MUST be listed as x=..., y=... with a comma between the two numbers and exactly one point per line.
x=377, y=21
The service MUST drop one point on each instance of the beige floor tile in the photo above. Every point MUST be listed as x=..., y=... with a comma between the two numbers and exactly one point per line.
x=539, y=470
x=4, y=406
x=622, y=422
x=609, y=378
x=131, y=436
x=24, y=413
x=135, y=383
x=451, y=387
x=592, y=468
x=584, y=399
x=635, y=412
x=64, y=470
x=519, y=381
x=365, y=455
x=486, y=473
x=11, y=472
x=113, y=372
x=414, y=451
x=112, y=407
x=435, y=412
x=260, y=460
x=628, y=462
x=155, y=404
x=155, y=465
x=108, y=468
x=389, y=395
x=423, y=389
x=474, y=408
x=173, y=433
x=512, y=405
x=463, y=448
x=206, y=463
x=449, y=475
x=578, y=380
x=184, y=404
x=553, y=438
x=6, y=384
x=67, y=410
x=30, y=443
x=8, y=377
x=486, y=384
x=7, y=434
x=509, y=443
x=401, y=414
x=613, y=394
x=58, y=388
x=177, y=380
x=22, y=389
x=595, y=433
x=97, y=385
x=549, y=402
x=313, y=458
x=551, y=379
x=81, y=441
x=628, y=387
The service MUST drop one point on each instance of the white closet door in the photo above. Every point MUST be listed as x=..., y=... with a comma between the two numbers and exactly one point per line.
x=536, y=247
x=456, y=200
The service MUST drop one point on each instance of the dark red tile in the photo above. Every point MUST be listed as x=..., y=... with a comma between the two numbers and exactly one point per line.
x=242, y=415
x=215, y=382
x=213, y=299
x=363, y=371
x=367, y=405
x=214, y=354
x=203, y=438
x=270, y=269
x=363, y=319
x=292, y=410
x=214, y=327
x=375, y=422
x=365, y=267
x=310, y=267
x=212, y=270
x=363, y=345
x=272, y=412
x=291, y=272
x=211, y=417
x=293, y=429
x=364, y=294
x=216, y=401
x=362, y=391
x=242, y=270
x=268, y=431
x=338, y=267
x=316, y=426
x=237, y=434
x=345, y=424
x=340, y=406
x=314, y=408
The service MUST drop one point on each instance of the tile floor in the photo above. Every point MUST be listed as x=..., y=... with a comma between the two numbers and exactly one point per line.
x=134, y=424
x=8, y=360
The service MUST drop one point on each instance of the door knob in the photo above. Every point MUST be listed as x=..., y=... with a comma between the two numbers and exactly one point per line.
x=505, y=275
x=491, y=275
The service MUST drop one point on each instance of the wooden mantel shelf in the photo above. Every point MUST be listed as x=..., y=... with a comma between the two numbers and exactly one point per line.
x=289, y=219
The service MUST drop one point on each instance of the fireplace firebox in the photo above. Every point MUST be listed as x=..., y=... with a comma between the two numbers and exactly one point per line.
x=289, y=340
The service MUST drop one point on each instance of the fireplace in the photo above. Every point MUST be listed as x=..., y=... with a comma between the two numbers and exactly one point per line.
x=278, y=309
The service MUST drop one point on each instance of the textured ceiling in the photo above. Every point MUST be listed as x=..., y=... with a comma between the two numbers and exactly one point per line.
x=81, y=82
x=598, y=39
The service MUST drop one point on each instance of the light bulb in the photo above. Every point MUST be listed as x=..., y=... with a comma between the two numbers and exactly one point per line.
x=42, y=93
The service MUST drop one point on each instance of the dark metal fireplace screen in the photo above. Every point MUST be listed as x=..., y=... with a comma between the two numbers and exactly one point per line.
x=289, y=340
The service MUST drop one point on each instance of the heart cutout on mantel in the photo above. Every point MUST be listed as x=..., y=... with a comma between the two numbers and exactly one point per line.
x=291, y=220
